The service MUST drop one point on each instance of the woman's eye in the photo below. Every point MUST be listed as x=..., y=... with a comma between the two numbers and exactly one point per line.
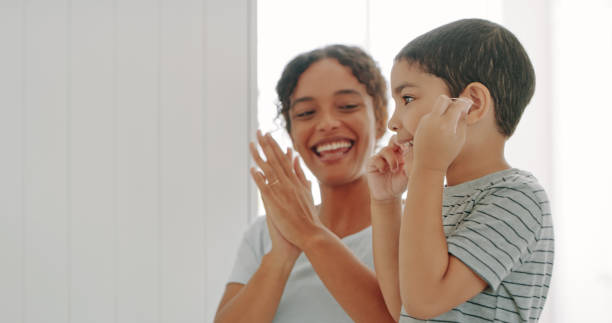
x=349, y=106
x=407, y=99
x=304, y=114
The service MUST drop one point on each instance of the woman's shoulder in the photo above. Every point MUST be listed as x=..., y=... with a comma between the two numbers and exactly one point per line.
x=257, y=235
x=258, y=225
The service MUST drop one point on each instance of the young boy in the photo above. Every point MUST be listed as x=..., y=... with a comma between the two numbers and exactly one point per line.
x=480, y=248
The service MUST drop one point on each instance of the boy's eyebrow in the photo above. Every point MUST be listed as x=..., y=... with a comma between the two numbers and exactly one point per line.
x=402, y=86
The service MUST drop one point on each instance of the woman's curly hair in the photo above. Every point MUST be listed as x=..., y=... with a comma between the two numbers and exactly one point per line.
x=363, y=67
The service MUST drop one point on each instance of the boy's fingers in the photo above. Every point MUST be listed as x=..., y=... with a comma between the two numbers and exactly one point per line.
x=441, y=104
x=461, y=124
x=457, y=110
x=376, y=164
x=390, y=158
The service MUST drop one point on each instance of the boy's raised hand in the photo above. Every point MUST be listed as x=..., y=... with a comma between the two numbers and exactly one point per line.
x=387, y=174
x=441, y=134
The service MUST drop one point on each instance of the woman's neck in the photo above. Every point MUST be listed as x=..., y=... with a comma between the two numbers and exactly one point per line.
x=345, y=209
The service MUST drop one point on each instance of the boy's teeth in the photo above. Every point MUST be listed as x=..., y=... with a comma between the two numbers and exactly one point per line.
x=407, y=144
x=333, y=146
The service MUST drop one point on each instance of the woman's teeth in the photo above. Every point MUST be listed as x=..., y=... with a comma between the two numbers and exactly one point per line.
x=333, y=146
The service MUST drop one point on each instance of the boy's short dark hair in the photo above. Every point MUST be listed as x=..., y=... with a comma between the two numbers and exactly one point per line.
x=477, y=50
x=362, y=65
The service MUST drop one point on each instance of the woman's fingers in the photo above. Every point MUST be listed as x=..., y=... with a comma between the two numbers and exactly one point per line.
x=268, y=172
x=274, y=162
x=300, y=174
x=276, y=156
x=259, y=179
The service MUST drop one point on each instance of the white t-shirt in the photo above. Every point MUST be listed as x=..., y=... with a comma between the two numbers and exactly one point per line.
x=305, y=298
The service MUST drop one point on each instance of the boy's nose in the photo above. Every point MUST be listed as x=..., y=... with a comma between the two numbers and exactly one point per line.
x=394, y=123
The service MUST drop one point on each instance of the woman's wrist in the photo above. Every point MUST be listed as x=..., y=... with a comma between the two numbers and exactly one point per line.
x=283, y=262
x=316, y=238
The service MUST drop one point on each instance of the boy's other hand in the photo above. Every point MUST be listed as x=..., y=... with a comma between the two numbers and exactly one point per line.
x=441, y=134
x=386, y=173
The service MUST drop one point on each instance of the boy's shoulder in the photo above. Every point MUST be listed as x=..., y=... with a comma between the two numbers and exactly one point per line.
x=512, y=179
x=516, y=180
x=511, y=191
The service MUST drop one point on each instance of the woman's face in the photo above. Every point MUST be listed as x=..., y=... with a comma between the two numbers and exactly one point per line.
x=333, y=126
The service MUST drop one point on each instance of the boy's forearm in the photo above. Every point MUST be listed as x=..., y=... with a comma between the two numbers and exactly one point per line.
x=350, y=282
x=258, y=300
x=386, y=220
x=423, y=252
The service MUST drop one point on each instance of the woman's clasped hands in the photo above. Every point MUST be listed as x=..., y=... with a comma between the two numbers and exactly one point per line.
x=287, y=197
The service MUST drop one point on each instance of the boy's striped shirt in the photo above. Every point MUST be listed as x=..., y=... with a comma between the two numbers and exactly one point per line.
x=500, y=226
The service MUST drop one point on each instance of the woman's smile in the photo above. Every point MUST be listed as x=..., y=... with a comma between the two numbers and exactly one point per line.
x=332, y=149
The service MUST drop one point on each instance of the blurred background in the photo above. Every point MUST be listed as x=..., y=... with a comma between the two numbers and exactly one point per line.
x=124, y=125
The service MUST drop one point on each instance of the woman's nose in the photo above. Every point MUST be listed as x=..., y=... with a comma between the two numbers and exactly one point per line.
x=328, y=122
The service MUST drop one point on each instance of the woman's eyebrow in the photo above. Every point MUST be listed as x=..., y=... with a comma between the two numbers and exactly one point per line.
x=347, y=91
x=302, y=99
x=339, y=92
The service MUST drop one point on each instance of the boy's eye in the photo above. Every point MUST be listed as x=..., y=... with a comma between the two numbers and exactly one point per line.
x=407, y=99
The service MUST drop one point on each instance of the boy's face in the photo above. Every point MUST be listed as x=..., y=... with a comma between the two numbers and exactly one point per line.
x=414, y=93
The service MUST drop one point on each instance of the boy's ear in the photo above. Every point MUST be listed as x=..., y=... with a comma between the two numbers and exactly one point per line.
x=480, y=95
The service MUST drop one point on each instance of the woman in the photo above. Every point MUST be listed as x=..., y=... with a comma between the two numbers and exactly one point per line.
x=306, y=263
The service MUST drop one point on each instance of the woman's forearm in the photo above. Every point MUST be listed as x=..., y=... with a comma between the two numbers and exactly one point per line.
x=351, y=283
x=386, y=221
x=258, y=300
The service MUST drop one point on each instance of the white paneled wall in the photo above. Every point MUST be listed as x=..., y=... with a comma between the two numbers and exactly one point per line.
x=123, y=164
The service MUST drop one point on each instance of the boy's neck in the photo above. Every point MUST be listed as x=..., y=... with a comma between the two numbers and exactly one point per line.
x=478, y=160
x=346, y=209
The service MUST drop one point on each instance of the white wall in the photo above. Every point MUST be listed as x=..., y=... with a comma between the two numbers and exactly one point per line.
x=118, y=201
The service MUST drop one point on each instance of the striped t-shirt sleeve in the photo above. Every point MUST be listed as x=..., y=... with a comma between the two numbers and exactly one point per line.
x=498, y=234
